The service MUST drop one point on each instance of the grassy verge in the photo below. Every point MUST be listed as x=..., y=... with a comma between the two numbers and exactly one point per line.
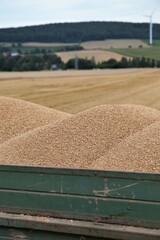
x=156, y=43
x=152, y=53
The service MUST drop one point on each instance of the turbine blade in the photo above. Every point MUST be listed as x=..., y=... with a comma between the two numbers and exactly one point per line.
x=153, y=12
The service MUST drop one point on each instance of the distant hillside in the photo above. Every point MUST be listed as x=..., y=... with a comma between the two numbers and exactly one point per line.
x=78, y=32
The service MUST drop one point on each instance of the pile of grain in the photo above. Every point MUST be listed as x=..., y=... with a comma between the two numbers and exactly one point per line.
x=138, y=152
x=17, y=117
x=121, y=137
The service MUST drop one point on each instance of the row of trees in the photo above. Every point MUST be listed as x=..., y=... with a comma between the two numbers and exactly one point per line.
x=47, y=62
x=29, y=62
x=113, y=63
x=78, y=32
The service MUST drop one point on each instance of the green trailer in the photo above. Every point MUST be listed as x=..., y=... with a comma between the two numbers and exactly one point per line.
x=54, y=203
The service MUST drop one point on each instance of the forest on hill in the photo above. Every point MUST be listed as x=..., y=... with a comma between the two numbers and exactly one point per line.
x=78, y=32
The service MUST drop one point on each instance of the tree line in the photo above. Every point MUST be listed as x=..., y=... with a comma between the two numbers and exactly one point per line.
x=113, y=63
x=52, y=61
x=29, y=62
x=78, y=32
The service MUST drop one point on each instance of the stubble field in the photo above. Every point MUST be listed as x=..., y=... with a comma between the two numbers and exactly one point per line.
x=112, y=43
x=74, y=91
x=97, y=55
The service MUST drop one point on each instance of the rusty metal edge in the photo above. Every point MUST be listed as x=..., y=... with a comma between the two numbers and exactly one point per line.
x=112, y=231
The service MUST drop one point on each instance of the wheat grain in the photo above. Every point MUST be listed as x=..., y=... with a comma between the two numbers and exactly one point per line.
x=115, y=137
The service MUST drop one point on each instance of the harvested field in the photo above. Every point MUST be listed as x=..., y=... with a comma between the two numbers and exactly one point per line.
x=121, y=137
x=112, y=43
x=63, y=74
x=38, y=44
x=98, y=55
x=103, y=44
x=75, y=91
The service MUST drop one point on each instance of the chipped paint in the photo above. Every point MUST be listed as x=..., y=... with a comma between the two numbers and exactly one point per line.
x=103, y=192
x=96, y=202
x=124, y=187
x=61, y=184
x=106, y=191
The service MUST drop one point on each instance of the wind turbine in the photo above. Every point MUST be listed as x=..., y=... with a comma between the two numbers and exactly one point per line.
x=150, y=27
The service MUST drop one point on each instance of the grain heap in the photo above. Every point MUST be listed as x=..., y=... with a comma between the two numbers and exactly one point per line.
x=121, y=137
x=17, y=117
x=138, y=152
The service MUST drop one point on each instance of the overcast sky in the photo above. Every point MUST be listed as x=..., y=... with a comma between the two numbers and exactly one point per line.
x=15, y=13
